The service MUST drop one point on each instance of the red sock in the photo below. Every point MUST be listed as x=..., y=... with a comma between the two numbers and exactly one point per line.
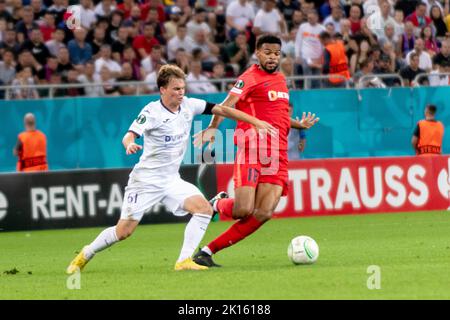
x=238, y=231
x=225, y=207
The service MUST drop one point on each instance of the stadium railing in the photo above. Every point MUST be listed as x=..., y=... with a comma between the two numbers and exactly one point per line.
x=140, y=86
x=369, y=77
x=301, y=82
x=418, y=79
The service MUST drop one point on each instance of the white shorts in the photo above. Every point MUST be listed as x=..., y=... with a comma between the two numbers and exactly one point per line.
x=140, y=197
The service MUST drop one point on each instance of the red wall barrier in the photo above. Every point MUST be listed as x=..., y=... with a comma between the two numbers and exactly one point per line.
x=366, y=185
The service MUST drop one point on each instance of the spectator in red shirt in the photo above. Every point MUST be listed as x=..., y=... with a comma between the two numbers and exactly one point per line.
x=48, y=26
x=355, y=18
x=153, y=4
x=160, y=31
x=126, y=7
x=419, y=17
x=144, y=43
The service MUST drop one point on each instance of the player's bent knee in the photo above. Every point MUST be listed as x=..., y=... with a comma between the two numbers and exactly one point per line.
x=263, y=215
x=121, y=237
x=242, y=212
x=198, y=205
x=202, y=208
x=123, y=234
x=205, y=209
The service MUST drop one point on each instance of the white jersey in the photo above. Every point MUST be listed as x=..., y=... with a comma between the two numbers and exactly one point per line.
x=268, y=22
x=166, y=135
x=307, y=42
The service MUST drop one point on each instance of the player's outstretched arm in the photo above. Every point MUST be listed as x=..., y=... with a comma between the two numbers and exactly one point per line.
x=306, y=122
x=230, y=101
x=226, y=110
x=229, y=112
x=209, y=134
x=129, y=144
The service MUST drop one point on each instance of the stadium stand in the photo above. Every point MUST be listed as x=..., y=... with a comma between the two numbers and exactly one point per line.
x=99, y=44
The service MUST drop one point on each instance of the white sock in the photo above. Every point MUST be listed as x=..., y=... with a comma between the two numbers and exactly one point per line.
x=104, y=240
x=193, y=234
x=207, y=250
x=215, y=205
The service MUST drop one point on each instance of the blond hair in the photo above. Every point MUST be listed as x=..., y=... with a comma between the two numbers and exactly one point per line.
x=168, y=72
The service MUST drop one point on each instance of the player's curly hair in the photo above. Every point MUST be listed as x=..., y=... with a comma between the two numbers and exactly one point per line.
x=267, y=38
x=168, y=72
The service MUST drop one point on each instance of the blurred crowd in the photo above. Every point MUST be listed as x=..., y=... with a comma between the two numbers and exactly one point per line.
x=107, y=41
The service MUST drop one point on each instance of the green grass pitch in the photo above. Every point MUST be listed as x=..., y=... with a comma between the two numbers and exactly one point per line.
x=411, y=249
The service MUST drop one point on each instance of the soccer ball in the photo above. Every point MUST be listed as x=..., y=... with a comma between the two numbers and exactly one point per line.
x=303, y=250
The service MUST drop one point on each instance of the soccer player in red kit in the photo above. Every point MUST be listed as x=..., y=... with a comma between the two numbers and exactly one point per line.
x=260, y=169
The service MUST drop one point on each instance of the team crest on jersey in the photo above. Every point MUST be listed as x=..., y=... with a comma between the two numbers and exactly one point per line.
x=186, y=116
x=240, y=84
x=141, y=119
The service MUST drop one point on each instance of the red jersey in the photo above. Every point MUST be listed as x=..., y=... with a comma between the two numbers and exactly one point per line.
x=142, y=42
x=265, y=96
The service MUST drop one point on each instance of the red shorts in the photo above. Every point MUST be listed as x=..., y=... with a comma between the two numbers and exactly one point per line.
x=250, y=170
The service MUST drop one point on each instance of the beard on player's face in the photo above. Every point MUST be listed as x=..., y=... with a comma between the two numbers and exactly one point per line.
x=269, y=67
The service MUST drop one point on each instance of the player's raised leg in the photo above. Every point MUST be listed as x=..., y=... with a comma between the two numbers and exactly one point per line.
x=245, y=176
x=243, y=206
x=267, y=198
x=240, y=206
x=105, y=239
x=201, y=212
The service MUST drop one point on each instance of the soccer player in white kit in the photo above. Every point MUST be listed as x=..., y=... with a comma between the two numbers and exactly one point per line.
x=166, y=126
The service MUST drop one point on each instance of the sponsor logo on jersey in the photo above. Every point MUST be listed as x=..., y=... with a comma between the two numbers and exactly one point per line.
x=274, y=95
x=176, y=138
x=141, y=119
